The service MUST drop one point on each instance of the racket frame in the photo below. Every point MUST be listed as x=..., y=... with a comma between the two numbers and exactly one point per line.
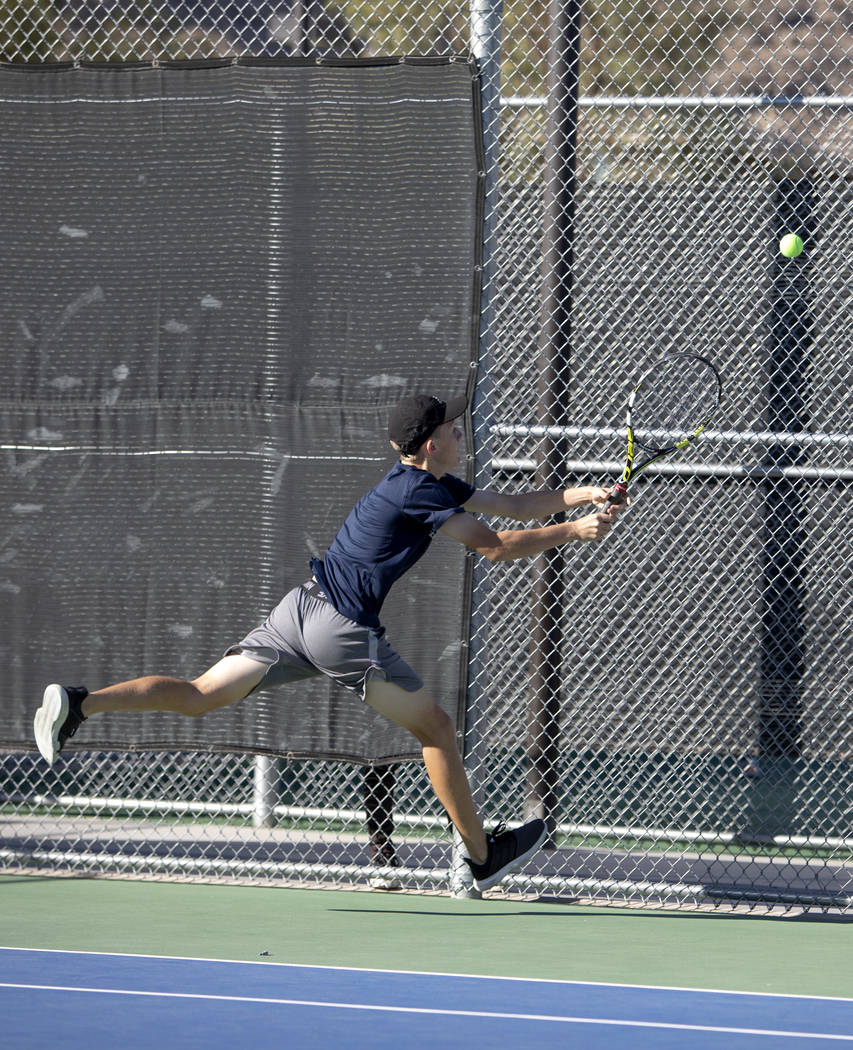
x=618, y=493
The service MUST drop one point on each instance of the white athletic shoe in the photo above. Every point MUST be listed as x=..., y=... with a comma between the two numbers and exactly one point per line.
x=58, y=718
x=383, y=867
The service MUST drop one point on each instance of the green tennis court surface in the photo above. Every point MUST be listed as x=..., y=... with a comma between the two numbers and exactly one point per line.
x=789, y=954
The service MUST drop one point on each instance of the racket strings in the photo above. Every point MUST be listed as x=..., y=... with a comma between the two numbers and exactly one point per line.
x=672, y=401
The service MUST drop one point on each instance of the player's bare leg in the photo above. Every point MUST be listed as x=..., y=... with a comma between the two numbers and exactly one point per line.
x=419, y=713
x=229, y=680
x=490, y=857
x=64, y=708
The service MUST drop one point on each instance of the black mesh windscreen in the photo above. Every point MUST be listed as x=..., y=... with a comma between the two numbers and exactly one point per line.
x=217, y=279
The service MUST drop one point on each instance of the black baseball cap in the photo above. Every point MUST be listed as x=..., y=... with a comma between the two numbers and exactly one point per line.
x=416, y=417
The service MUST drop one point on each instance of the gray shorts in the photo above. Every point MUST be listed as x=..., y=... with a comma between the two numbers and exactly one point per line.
x=305, y=636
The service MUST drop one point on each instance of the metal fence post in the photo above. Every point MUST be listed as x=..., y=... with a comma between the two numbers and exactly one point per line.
x=554, y=364
x=785, y=510
x=486, y=19
x=265, y=791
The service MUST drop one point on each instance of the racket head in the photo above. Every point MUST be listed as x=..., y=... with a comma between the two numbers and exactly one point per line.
x=673, y=402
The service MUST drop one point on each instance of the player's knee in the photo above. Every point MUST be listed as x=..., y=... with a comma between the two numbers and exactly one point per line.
x=197, y=704
x=199, y=701
x=436, y=729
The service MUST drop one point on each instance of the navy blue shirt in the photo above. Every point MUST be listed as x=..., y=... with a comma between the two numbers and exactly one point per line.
x=385, y=533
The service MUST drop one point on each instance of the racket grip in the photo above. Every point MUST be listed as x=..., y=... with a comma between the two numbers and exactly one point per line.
x=618, y=494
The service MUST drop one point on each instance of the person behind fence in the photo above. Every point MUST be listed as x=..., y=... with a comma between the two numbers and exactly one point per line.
x=377, y=788
x=330, y=625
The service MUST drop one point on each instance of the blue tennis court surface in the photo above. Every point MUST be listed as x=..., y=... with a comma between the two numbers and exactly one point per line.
x=98, y=1001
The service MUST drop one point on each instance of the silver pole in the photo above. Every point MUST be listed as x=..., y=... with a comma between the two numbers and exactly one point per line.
x=486, y=22
x=265, y=792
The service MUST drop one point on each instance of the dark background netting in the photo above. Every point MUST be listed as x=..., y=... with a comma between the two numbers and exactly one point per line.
x=735, y=605
x=216, y=281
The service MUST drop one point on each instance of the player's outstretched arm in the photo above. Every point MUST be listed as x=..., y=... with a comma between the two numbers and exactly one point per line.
x=511, y=544
x=533, y=506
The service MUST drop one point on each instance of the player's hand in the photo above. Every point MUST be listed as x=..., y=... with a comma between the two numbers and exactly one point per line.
x=592, y=527
x=598, y=496
x=615, y=502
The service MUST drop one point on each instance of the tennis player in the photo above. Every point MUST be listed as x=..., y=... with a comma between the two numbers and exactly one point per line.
x=330, y=625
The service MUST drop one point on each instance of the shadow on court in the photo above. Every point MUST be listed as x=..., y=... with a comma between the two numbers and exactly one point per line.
x=604, y=913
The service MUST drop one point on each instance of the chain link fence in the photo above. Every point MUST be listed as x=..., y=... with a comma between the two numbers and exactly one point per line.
x=675, y=701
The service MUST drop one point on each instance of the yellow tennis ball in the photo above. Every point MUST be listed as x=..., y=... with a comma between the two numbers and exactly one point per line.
x=791, y=245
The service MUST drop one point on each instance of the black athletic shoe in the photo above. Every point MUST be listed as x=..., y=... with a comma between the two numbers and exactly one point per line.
x=383, y=858
x=58, y=718
x=508, y=850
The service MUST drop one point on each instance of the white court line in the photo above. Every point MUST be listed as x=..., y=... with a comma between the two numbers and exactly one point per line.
x=435, y=1012
x=438, y=973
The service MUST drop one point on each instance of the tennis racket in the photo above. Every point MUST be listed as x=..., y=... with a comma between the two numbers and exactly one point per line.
x=668, y=409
